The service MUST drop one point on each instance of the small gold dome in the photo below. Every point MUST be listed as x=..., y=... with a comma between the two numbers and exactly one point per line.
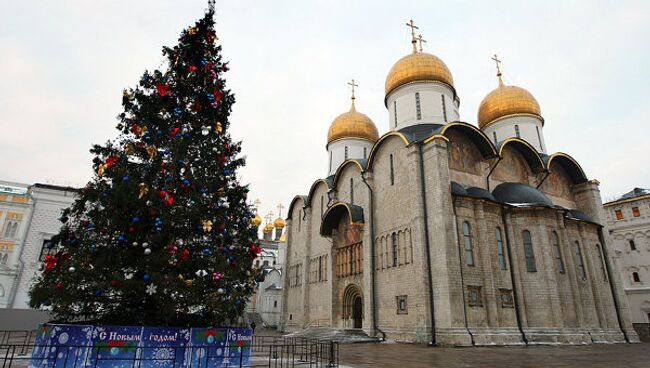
x=418, y=66
x=505, y=101
x=279, y=223
x=256, y=221
x=352, y=124
x=268, y=227
x=283, y=238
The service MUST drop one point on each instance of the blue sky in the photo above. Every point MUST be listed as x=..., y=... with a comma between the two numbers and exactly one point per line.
x=65, y=63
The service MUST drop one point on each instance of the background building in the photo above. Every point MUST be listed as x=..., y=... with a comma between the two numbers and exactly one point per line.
x=628, y=221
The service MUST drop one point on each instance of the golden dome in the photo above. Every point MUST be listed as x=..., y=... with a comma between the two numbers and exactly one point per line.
x=418, y=66
x=505, y=101
x=268, y=227
x=279, y=223
x=283, y=238
x=352, y=124
x=256, y=221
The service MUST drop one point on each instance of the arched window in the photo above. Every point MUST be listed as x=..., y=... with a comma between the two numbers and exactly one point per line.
x=346, y=152
x=275, y=304
x=635, y=277
x=494, y=135
x=632, y=245
x=352, y=190
x=500, y=253
x=2, y=291
x=602, y=261
x=469, y=252
x=528, y=251
x=557, y=252
x=394, y=248
x=581, y=264
x=392, y=172
x=517, y=131
x=418, y=112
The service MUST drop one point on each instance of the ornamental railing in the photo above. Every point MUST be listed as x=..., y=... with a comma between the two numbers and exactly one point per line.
x=266, y=351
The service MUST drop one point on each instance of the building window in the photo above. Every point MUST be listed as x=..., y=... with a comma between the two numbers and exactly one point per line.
x=392, y=171
x=602, y=261
x=632, y=245
x=469, y=253
x=346, y=152
x=506, y=298
x=365, y=151
x=581, y=264
x=47, y=249
x=394, y=248
x=330, y=160
x=500, y=253
x=320, y=268
x=517, y=131
x=558, y=252
x=395, y=112
x=352, y=190
x=402, y=305
x=636, y=212
x=528, y=251
x=444, y=107
x=474, y=296
x=418, y=112
x=494, y=135
x=11, y=228
x=321, y=207
x=299, y=220
x=635, y=277
x=275, y=304
x=619, y=214
x=539, y=138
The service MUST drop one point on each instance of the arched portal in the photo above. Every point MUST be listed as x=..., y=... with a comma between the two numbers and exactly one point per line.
x=352, y=307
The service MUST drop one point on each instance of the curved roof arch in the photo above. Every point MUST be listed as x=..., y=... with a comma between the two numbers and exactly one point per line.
x=569, y=164
x=359, y=163
x=380, y=142
x=312, y=189
x=295, y=201
x=474, y=134
x=529, y=152
x=520, y=194
x=333, y=214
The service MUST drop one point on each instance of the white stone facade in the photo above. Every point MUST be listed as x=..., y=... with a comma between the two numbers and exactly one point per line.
x=344, y=149
x=628, y=222
x=420, y=103
x=527, y=127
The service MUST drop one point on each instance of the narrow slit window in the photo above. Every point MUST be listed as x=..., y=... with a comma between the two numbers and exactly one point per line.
x=346, y=152
x=469, y=252
x=352, y=190
x=365, y=153
x=395, y=112
x=392, y=172
x=444, y=108
x=528, y=251
x=500, y=253
x=599, y=251
x=494, y=135
x=394, y=248
x=558, y=253
x=517, y=131
x=417, y=106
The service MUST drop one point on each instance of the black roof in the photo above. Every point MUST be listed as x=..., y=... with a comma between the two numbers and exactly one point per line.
x=636, y=192
x=519, y=193
x=457, y=189
x=579, y=215
x=480, y=193
x=420, y=132
x=334, y=213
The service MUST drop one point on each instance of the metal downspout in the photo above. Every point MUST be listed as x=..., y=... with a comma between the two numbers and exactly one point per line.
x=512, y=276
x=487, y=179
x=426, y=241
x=372, y=260
x=462, y=280
x=611, y=284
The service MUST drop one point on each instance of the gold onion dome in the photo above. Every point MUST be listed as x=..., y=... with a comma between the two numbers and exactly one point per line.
x=352, y=124
x=278, y=223
x=418, y=66
x=268, y=227
x=256, y=221
x=506, y=101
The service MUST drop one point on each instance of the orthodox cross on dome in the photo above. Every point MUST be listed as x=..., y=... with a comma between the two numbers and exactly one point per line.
x=421, y=41
x=269, y=217
x=497, y=61
x=256, y=205
x=413, y=27
x=280, y=207
x=352, y=84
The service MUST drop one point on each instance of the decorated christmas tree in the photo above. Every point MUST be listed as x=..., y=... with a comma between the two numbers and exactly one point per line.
x=162, y=233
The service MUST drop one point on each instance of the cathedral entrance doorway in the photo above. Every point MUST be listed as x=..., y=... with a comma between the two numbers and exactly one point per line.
x=352, y=307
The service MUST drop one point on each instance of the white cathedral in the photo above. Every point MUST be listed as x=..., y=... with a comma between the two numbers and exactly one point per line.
x=449, y=233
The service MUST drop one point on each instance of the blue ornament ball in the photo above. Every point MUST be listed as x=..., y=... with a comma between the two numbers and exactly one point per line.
x=147, y=277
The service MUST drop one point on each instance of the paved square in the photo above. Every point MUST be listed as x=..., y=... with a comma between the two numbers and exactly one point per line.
x=412, y=356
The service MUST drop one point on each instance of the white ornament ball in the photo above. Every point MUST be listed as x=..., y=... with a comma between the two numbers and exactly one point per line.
x=147, y=251
x=72, y=269
x=220, y=291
